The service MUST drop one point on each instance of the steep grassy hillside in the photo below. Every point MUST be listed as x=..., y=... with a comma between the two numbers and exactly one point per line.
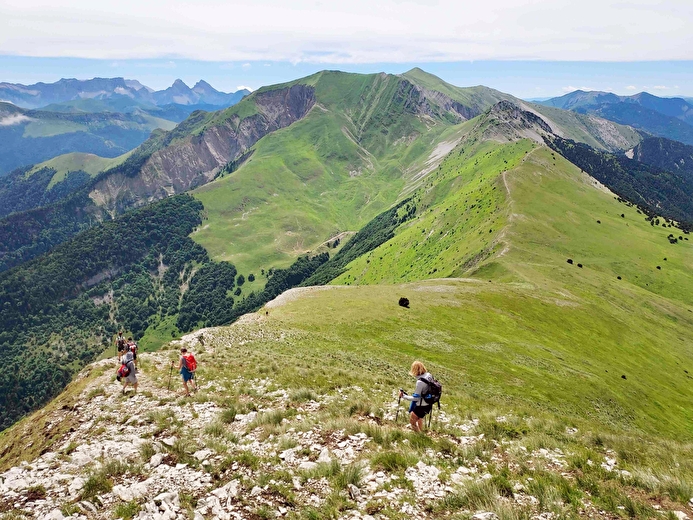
x=562, y=334
x=72, y=162
x=363, y=143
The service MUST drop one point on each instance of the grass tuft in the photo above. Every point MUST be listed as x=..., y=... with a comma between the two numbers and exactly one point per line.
x=391, y=461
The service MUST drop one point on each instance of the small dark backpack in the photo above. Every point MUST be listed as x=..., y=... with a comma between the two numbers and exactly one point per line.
x=434, y=390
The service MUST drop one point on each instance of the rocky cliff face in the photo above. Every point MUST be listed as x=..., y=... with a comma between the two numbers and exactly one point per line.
x=432, y=103
x=198, y=158
x=505, y=121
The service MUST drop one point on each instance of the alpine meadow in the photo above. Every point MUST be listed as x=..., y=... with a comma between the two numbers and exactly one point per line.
x=308, y=244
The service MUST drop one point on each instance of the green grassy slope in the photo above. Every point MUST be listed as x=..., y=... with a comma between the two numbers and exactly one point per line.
x=462, y=212
x=527, y=326
x=345, y=162
x=76, y=161
x=479, y=97
x=357, y=152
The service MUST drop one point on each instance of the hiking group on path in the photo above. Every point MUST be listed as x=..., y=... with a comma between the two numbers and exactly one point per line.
x=127, y=372
x=426, y=394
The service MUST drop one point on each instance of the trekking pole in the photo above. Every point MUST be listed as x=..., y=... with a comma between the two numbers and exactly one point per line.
x=398, y=401
x=430, y=419
x=170, y=373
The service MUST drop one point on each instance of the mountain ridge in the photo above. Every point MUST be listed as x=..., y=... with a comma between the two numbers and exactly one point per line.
x=42, y=94
x=365, y=117
x=665, y=117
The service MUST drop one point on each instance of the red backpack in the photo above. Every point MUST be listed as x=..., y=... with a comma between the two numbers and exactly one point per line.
x=123, y=371
x=190, y=362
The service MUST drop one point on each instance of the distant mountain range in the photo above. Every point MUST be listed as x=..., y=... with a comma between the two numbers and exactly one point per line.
x=107, y=117
x=41, y=95
x=663, y=117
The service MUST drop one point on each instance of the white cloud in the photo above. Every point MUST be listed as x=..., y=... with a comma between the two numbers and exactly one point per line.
x=243, y=87
x=570, y=88
x=246, y=65
x=14, y=119
x=358, y=31
x=631, y=87
x=660, y=87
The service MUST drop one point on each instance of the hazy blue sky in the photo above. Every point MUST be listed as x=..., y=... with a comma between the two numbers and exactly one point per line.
x=522, y=78
x=530, y=48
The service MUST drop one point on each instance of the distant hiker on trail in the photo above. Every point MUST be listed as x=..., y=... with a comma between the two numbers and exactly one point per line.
x=187, y=366
x=132, y=347
x=426, y=393
x=127, y=373
x=120, y=344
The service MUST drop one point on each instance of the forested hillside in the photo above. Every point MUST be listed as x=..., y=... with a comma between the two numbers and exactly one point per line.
x=60, y=310
x=656, y=191
x=139, y=271
x=20, y=191
x=669, y=155
x=25, y=235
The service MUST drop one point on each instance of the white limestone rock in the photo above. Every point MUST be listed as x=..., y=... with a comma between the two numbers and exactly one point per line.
x=485, y=515
x=156, y=460
x=307, y=465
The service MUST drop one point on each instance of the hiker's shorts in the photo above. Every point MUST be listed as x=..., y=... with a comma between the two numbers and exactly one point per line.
x=187, y=374
x=422, y=411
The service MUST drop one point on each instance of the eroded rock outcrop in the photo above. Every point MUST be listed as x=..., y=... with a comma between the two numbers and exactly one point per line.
x=197, y=158
x=505, y=121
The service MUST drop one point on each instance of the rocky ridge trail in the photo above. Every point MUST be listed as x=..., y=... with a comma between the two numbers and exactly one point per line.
x=266, y=452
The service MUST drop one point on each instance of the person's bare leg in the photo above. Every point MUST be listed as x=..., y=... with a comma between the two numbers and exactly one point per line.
x=414, y=422
x=420, y=424
x=185, y=385
x=135, y=386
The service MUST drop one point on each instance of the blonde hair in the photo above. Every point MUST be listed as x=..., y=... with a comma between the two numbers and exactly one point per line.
x=417, y=369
